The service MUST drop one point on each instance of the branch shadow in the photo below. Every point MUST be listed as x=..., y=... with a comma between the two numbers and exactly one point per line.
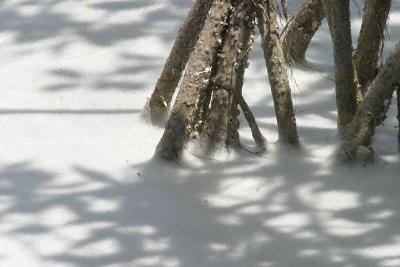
x=59, y=26
x=245, y=212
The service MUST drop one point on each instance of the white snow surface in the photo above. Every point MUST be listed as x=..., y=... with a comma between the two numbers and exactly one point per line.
x=78, y=186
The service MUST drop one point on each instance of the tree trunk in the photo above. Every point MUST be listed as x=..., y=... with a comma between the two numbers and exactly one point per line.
x=370, y=40
x=338, y=15
x=193, y=91
x=158, y=104
x=372, y=111
x=221, y=126
x=278, y=77
x=398, y=114
x=302, y=29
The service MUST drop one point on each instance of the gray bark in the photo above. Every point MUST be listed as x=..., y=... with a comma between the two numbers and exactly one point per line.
x=278, y=77
x=338, y=15
x=258, y=137
x=302, y=29
x=398, y=114
x=193, y=90
x=221, y=126
x=159, y=102
x=372, y=111
x=370, y=41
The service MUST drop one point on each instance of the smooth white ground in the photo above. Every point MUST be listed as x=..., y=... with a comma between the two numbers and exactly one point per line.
x=78, y=186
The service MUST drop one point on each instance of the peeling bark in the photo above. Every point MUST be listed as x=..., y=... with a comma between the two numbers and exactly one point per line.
x=302, y=29
x=338, y=15
x=278, y=77
x=159, y=102
x=370, y=41
x=193, y=90
x=372, y=111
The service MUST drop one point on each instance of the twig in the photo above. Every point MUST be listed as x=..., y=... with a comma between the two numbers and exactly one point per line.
x=286, y=27
x=259, y=153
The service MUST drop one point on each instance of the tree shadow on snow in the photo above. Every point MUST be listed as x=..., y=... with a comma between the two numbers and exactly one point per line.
x=284, y=210
x=56, y=26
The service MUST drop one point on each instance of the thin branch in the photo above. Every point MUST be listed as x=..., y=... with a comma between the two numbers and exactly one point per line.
x=259, y=138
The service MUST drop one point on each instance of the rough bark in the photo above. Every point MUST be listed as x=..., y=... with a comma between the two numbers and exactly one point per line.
x=398, y=114
x=338, y=15
x=159, y=102
x=221, y=126
x=193, y=90
x=372, y=111
x=278, y=77
x=302, y=29
x=370, y=41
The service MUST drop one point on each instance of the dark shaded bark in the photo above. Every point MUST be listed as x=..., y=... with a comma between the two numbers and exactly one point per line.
x=338, y=15
x=370, y=41
x=159, y=102
x=302, y=29
x=193, y=90
x=398, y=114
x=278, y=77
x=221, y=126
x=372, y=111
